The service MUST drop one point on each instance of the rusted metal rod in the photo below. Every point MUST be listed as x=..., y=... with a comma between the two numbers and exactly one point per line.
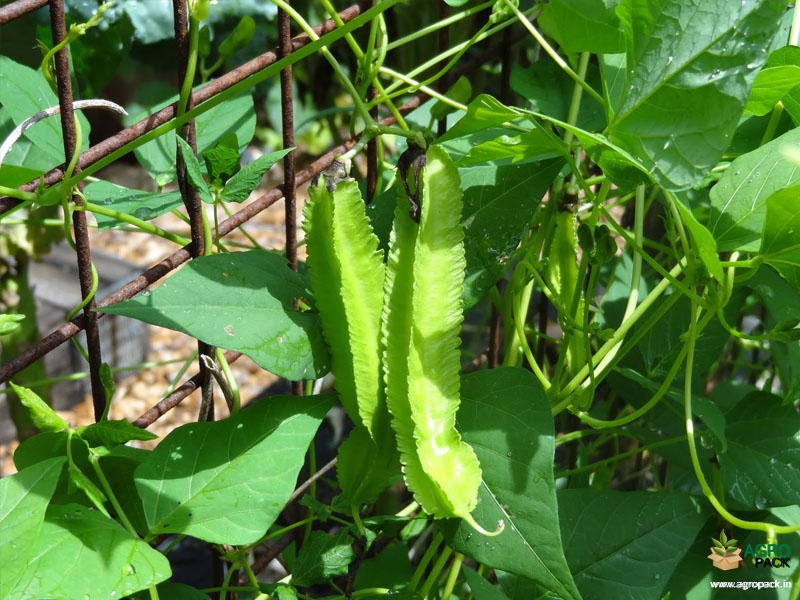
x=182, y=255
x=17, y=9
x=80, y=228
x=189, y=195
x=115, y=142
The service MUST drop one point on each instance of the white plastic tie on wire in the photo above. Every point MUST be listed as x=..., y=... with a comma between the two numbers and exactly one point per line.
x=49, y=112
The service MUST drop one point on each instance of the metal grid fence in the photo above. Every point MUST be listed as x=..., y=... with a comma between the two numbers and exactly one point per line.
x=107, y=150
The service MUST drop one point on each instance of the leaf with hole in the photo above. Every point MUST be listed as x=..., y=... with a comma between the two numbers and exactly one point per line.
x=244, y=303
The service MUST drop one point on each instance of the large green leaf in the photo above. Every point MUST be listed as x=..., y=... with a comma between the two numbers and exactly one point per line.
x=240, y=301
x=227, y=481
x=23, y=93
x=584, y=25
x=781, y=244
x=549, y=90
x=23, y=502
x=690, y=64
x=739, y=200
x=82, y=553
x=506, y=417
x=626, y=544
x=499, y=202
x=759, y=467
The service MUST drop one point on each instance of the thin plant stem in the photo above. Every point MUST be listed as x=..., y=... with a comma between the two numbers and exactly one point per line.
x=620, y=333
x=344, y=79
x=136, y=222
x=620, y=456
x=553, y=54
x=769, y=528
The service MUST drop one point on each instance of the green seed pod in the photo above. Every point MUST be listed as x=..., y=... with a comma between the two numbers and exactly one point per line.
x=347, y=271
x=561, y=275
x=422, y=317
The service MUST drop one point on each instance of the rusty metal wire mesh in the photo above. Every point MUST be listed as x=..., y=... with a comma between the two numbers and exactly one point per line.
x=87, y=321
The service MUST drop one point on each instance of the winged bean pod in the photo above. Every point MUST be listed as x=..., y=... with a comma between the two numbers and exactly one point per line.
x=422, y=317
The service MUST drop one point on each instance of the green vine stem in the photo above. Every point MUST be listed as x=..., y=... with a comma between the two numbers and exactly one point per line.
x=769, y=528
x=436, y=571
x=679, y=285
x=369, y=75
x=240, y=87
x=439, y=24
x=433, y=548
x=519, y=308
x=563, y=399
x=633, y=294
x=191, y=61
x=138, y=223
x=94, y=458
x=452, y=576
x=75, y=31
x=344, y=79
x=553, y=54
x=198, y=11
x=659, y=393
x=455, y=52
x=618, y=457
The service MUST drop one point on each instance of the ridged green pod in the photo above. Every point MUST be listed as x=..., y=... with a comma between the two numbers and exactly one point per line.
x=561, y=275
x=347, y=272
x=422, y=319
